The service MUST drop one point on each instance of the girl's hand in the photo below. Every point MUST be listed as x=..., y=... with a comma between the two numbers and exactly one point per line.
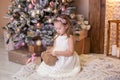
x=42, y=54
x=49, y=50
x=53, y=53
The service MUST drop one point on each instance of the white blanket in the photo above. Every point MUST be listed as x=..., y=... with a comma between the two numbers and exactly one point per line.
x=94, y=67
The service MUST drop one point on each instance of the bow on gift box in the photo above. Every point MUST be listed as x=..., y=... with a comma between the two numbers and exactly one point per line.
x=31, y=59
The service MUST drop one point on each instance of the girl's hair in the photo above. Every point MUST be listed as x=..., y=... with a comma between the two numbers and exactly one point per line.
x=64, y=19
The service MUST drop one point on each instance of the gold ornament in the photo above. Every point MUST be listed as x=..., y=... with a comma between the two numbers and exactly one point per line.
x=33, y=14
x=38, y=42
x=64, y=1
x=18, y=30
x=50, y=20
x=28, y=0
x=21, y=18
x=49, y=9
x=55, y=11
x=72, y=16
x=37, y=11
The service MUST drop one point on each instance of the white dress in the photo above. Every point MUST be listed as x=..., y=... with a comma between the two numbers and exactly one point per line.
x=65, y=66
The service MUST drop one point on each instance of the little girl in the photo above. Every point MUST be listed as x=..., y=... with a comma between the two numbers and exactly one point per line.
x=68, y=63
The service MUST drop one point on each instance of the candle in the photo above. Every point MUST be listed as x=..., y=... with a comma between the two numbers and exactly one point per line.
x=114, y=50
x=118, y=52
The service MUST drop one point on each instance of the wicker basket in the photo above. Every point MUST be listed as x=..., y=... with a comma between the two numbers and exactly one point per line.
x=34, y=49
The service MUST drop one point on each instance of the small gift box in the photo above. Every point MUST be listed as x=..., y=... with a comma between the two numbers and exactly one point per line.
x=34, y=48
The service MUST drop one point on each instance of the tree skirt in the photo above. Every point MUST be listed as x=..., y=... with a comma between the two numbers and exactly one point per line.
x=94, y=67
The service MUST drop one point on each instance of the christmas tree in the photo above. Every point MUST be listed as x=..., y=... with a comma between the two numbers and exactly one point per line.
x=34, y=18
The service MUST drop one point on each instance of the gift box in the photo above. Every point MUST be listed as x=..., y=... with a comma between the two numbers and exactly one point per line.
x=82, y=46
x=18, y=56
x=34, y=49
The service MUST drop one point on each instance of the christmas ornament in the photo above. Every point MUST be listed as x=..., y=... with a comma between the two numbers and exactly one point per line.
x=11, y=18
x=19, y=6
x=22, y=15
x=18, y=30
x=63, y=8
x=38, y=42
x=39, y=25
x=33, y=14
x=21, y=18
x=49, y=9
x=9, y=12
x=52, y=4
x=49, y=20
x=30, y=6
x=64, y=1
x=72, y=16
x=23, y=44
x=55, y=11
x=37, y=11
x=28, y=0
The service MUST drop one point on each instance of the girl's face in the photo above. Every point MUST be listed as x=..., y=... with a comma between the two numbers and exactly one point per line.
x=60, y=28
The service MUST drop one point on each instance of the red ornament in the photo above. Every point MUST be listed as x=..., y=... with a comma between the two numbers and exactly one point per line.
x=52, y=4
x=30, y=6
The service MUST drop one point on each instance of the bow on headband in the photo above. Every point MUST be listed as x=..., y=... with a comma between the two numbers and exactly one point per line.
x=62, y=20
